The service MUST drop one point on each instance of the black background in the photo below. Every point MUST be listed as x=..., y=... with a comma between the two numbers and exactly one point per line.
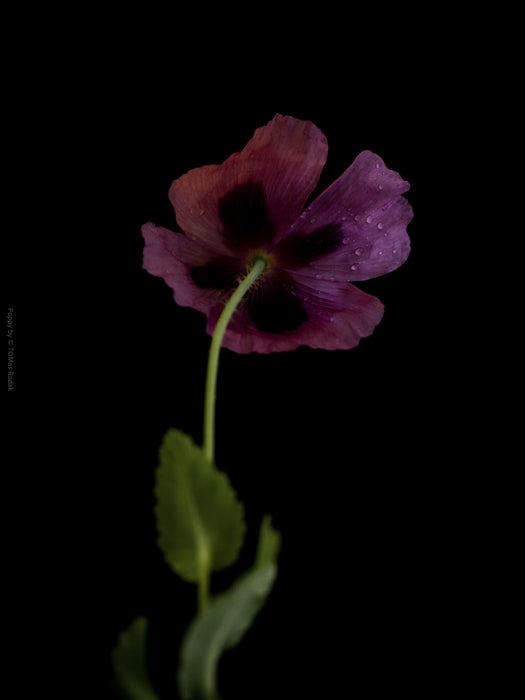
x=349, y=451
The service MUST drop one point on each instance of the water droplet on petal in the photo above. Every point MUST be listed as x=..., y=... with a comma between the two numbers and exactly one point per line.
x=368, y=219
x=201, y=212
x=380, y=187
x=343, y=218
x=378, y=165
x=318, y=277
x=345, y=241
x=355, y=266
x=331, y=319
x=380, y=226
x=356, y=217
x=380, y=252
x=358, y=251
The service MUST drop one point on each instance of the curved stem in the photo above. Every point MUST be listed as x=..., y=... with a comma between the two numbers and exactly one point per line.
x=259, y=266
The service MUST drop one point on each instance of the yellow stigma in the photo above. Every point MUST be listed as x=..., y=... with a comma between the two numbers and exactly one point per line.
x=256, y=255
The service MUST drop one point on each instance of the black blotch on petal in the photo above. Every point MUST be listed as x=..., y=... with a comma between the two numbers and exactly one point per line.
x=219, y=274
x=277, y=310
x=244, y=214
x=298, y=249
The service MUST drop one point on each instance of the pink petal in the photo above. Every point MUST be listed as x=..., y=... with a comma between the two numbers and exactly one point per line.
x=285, y=157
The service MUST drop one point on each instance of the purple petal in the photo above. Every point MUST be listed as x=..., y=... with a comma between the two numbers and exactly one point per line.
x=266, y=184
x=338, y=316
x=173, y=256
x=366, y=214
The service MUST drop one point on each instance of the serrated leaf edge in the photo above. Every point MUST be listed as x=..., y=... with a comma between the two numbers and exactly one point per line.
x=204, y=544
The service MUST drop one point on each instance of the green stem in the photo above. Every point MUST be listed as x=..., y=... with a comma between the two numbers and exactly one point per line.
x=203, y=589
x=259, y=266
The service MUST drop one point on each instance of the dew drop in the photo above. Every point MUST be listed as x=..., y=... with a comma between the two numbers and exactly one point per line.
x=356, y=217
x=368, y=219
x=345, y=241
x=343, y=218
x=201, y=212
x=380, y=226
x=380, y=252
x=358, y=251
x=331, y=319
x=380, y=187
x=318, y=277
x=378, y=165
x=394, y=250
x=355, y=266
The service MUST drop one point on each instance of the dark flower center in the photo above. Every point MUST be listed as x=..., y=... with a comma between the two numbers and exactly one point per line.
x=274, y=306
x=298, y=249
x=244, y=214
x=220, y=273
x=272, y=303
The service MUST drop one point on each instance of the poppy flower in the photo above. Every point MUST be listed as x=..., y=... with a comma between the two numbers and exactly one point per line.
x=252, y=205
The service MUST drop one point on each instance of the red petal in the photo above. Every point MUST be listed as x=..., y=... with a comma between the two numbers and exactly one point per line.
x=285, y=157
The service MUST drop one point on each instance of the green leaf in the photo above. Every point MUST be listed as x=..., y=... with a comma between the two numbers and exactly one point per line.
x=226, y=619
x=269, y=543
x=200, y=521
x=129, y=662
